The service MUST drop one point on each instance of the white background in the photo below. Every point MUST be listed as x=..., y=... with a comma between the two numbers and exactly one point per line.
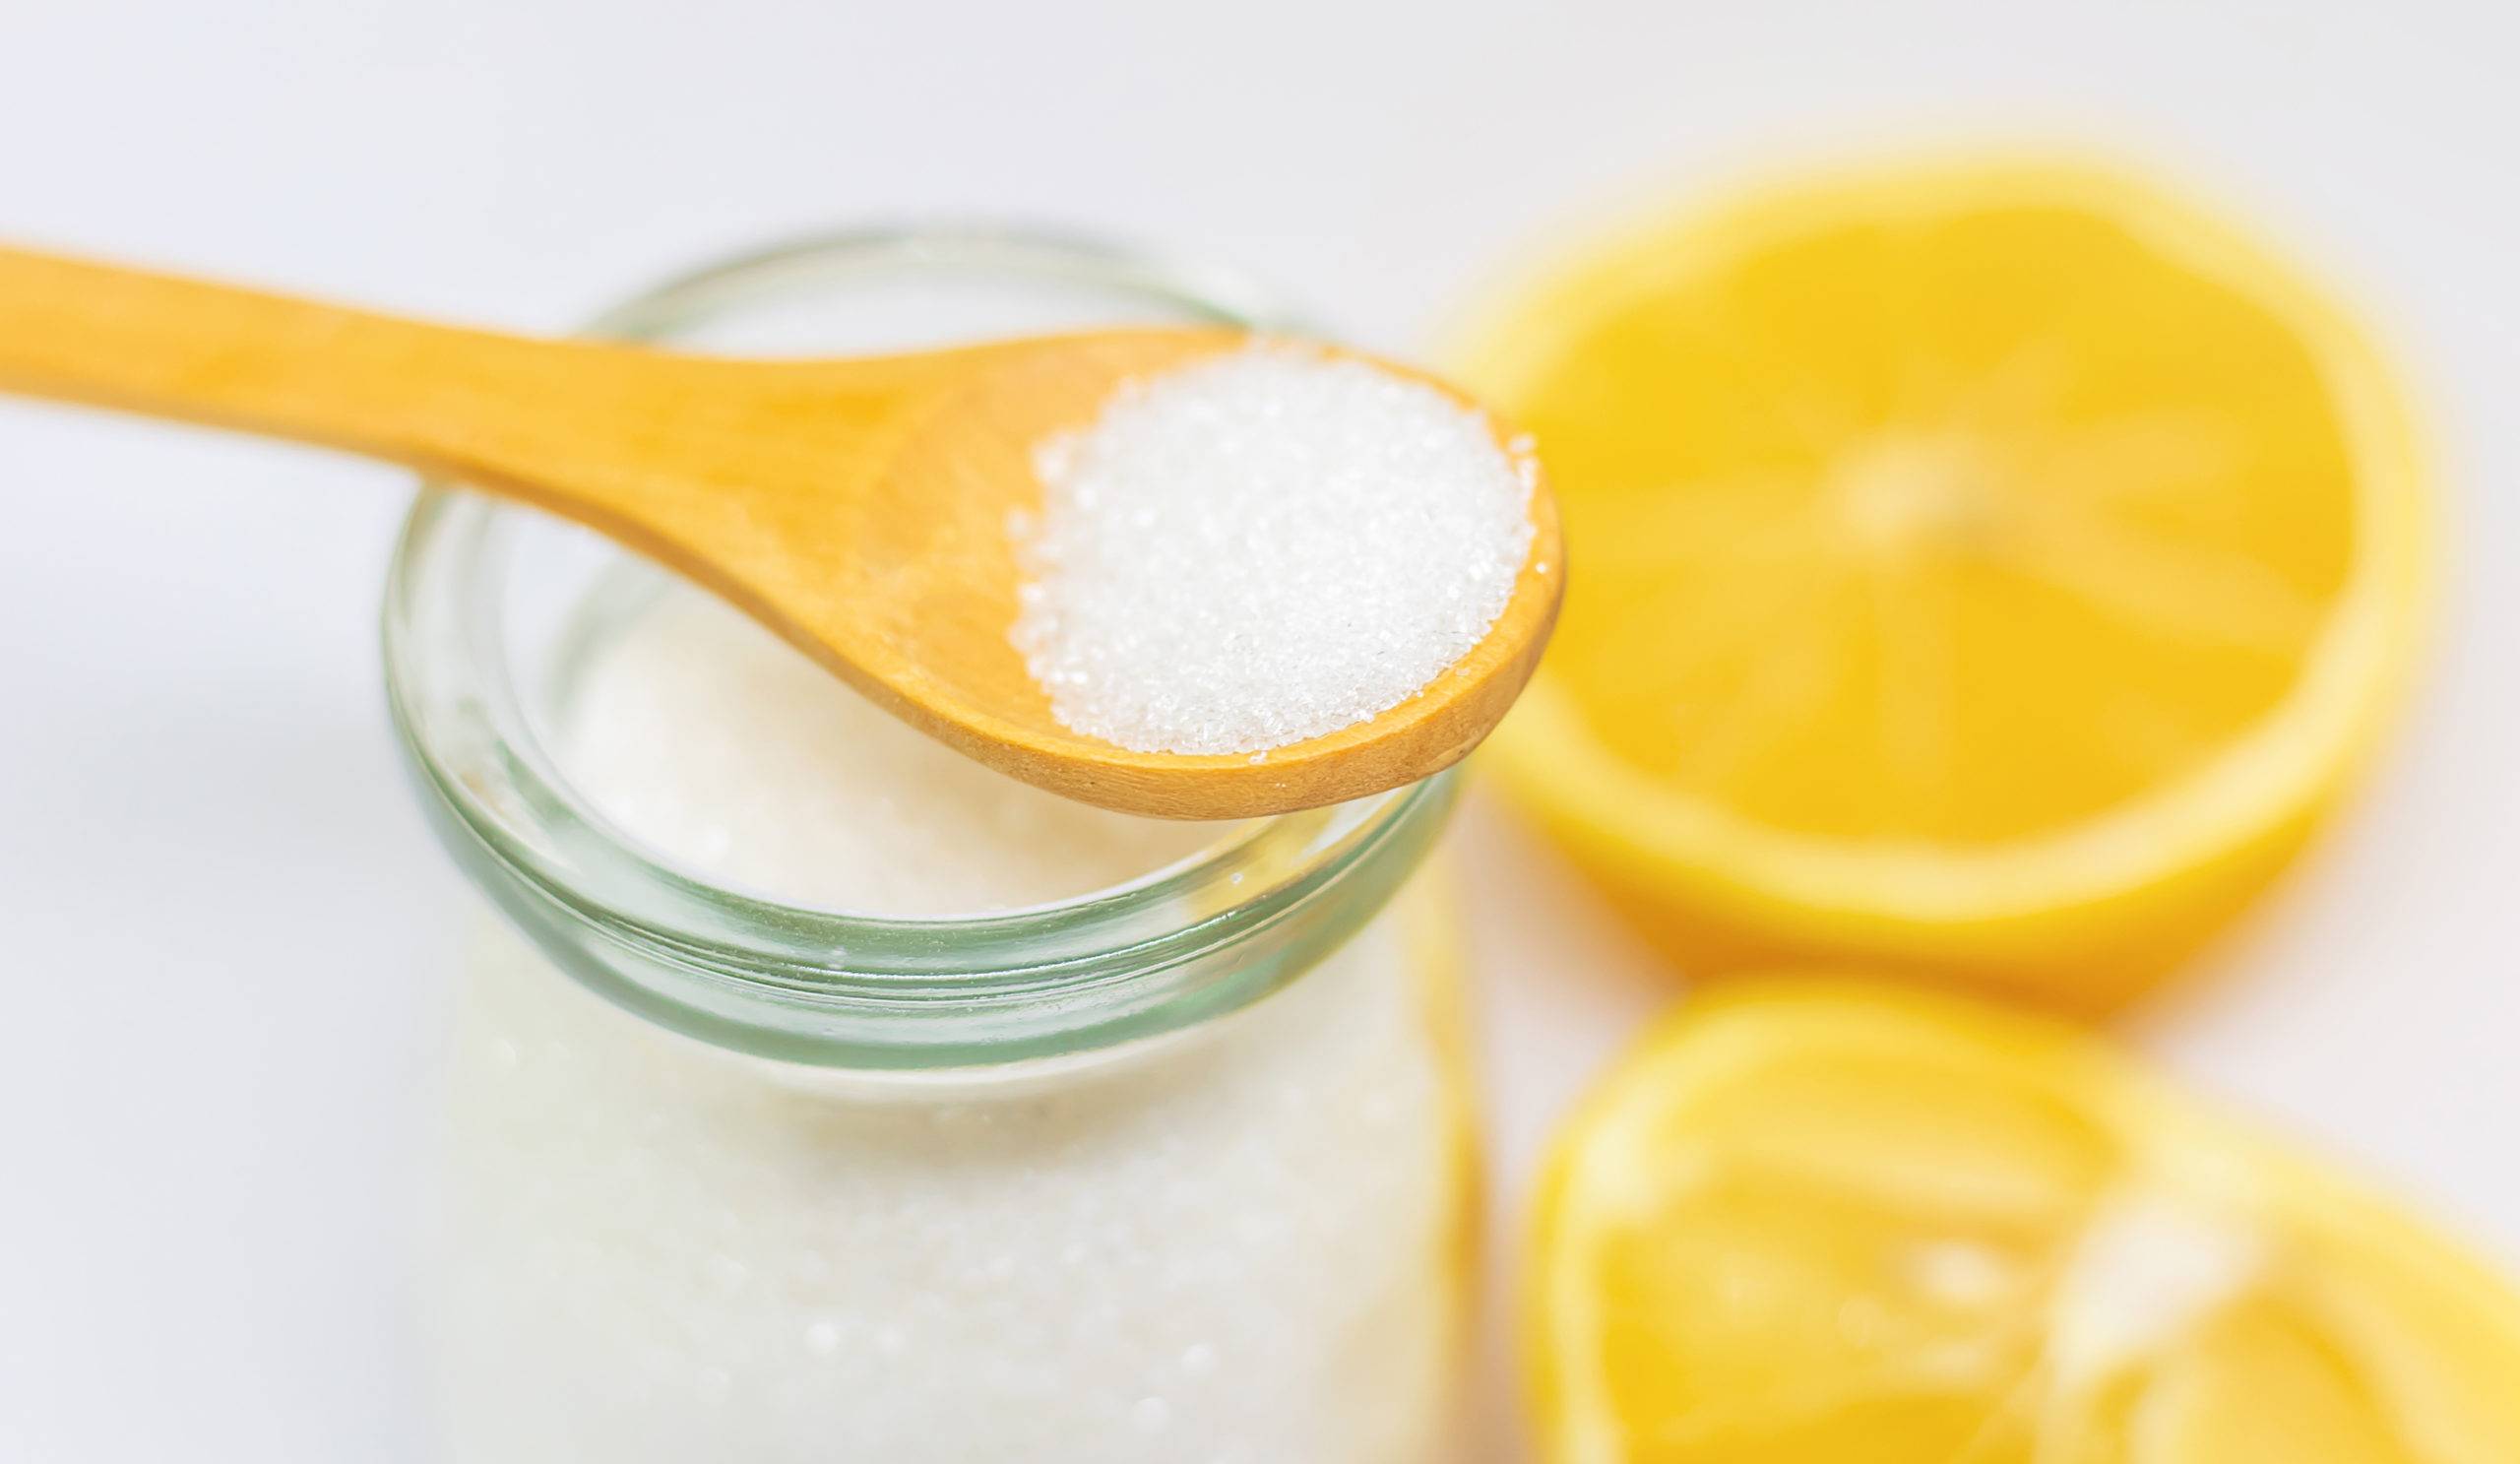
x=224, y=928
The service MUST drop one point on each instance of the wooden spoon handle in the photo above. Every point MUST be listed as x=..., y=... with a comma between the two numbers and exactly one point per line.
x=443, y=399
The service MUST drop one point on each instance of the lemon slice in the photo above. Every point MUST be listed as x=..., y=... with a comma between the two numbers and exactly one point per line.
x=1831, y=1226
x=1987, y=568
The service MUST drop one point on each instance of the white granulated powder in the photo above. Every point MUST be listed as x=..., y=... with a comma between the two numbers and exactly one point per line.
x=704, y=735
x=1233, y=1245
x=1263, y=547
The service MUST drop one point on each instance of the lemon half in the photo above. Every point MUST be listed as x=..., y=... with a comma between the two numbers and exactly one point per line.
x=1989, y=568
x=1821, y=1224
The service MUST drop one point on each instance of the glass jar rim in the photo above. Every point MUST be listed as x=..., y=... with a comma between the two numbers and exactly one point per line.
x=815, y=983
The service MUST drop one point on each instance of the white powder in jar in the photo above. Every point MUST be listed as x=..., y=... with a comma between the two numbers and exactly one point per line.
x=1240, y=1242
x=706, y=737
x=1262, y=548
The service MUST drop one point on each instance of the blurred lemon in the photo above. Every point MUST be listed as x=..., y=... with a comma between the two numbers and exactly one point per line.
x=1989, y=569
x=1815, y=1225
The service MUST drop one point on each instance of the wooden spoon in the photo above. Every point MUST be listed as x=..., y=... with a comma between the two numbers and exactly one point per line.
x=858, y=508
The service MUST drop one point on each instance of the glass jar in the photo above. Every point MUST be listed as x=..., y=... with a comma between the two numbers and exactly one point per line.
x=1175, y=1170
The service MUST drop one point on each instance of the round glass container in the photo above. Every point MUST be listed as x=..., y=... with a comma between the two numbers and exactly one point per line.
x=1170, y=1170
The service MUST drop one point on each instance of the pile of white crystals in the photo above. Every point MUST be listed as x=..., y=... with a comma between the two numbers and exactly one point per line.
x=1234, y=1244
x=1262, y=548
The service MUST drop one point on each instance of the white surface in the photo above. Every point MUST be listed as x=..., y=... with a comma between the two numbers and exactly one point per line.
x=227, y=932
